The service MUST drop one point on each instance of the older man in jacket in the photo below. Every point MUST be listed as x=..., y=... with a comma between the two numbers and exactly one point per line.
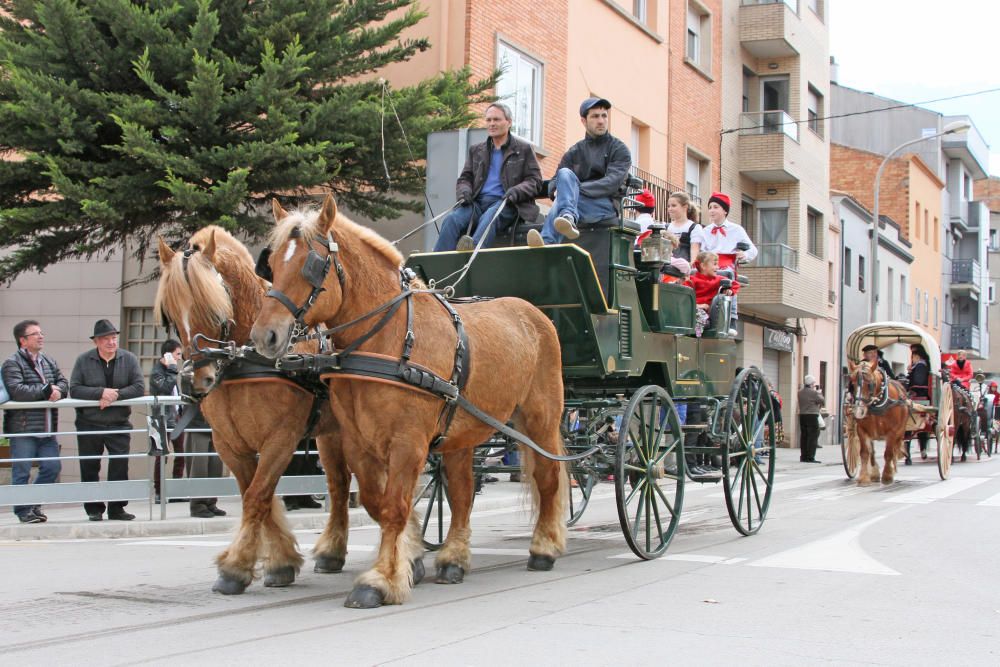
x=502, y=167
x=30, y=375
x=106, y=374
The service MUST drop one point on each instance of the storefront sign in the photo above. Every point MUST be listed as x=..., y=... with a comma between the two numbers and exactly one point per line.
x=778, y=339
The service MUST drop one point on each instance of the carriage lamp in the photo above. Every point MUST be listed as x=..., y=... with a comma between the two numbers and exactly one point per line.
x=655, y=248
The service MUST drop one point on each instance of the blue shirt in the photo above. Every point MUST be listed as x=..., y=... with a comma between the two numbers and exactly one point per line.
x=493, y=186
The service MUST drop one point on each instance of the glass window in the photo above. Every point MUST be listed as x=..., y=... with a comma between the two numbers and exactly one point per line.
x=991, y=292
x=639, y=11
x=861, y=273
x=927, y=306
x=822, y=377
x=695, y=175
x=935, y=312
x=916, y=304
x=815, y=111
x=520, y=86
x=143, y=337
x=890, y=284
x=698, y=47
x=847, y=266
x=773, y=247
x=814, y=220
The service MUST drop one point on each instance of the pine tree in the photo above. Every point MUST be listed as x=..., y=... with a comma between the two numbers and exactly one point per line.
x=122, y=119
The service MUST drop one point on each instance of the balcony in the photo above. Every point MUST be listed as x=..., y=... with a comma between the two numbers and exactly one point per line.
x=965, y=276
x=965, y=337
x=769, y=147
x=969, y=147
x=770, y=28
x=777, y=255
x=959, y=215
x=905, y=312
x=778, y=290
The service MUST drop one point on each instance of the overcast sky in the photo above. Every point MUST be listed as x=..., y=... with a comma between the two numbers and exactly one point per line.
x=918, y=50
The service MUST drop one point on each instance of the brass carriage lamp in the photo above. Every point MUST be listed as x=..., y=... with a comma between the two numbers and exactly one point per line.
x=655, y=248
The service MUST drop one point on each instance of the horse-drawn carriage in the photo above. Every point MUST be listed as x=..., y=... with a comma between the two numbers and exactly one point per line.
x=934, y=415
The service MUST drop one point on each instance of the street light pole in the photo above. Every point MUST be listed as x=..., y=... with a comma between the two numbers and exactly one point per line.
x=950, y=128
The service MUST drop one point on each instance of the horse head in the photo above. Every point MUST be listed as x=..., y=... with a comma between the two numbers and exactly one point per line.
x=208, y=289
x=867, y=386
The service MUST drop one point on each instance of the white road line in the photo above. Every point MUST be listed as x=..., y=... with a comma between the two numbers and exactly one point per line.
x=840, y=552
x=805, y=481
x=932, y=492
x=992, y=501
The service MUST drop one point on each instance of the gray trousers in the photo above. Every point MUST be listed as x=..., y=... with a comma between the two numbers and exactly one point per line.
x=202, y=466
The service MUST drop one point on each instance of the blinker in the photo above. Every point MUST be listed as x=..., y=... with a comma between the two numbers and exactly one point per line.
x=315, y=268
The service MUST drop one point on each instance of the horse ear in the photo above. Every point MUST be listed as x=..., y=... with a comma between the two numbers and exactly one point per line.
x=279, y=213
x=166, y=252
x=209, y=250
x=327, y=214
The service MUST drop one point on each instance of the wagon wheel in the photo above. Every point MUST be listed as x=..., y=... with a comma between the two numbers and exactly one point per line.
x=977, y=436
x=850, y=448
x=748, y=478
x=602, y=428
x=649, y=477
x=944, y=430
x=433, y=490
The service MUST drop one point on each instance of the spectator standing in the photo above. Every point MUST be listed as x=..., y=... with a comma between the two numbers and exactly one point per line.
x=200, y=467
x=163, y=382
x=105, y=374
x=30, y=375
x=811, y=404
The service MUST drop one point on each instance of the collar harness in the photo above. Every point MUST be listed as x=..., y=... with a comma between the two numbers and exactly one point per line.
x=880, y=404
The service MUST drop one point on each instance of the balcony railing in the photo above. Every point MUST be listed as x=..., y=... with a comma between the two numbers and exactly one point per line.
x=792, y=4
x=965, y=337
x=777, y=254
x=768, y=122
x=965, y=272
x=661, y=189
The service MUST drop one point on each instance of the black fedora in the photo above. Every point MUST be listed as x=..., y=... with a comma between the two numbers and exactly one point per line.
x=103, y=328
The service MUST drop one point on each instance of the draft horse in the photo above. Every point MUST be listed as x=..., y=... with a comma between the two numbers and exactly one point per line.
x=880, y=410
x=211, y=288
x=965, y=410
x=347, y=277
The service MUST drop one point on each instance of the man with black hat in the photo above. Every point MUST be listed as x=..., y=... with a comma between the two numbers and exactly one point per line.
x=105, y=374
x=590, y=175
x=871, y=353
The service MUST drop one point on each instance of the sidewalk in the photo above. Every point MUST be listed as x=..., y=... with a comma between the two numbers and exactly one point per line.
x=71, y=522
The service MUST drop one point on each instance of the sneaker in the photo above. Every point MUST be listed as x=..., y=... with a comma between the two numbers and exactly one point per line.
x=565, y=226
x=733, y=333
x=30, y=517
x=120, y=516
x=535, y=239
x=465, y=243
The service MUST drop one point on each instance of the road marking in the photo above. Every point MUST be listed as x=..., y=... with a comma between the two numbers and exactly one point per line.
x=933, y=492
x=805, y=481
x=840, y=552
x=992, y=501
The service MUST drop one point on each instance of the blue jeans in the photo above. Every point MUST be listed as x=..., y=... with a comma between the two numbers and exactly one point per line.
x=570, y=202
x=457, y=222
x=30, y=448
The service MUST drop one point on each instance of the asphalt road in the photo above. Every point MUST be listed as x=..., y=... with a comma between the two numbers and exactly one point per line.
x=904, y=574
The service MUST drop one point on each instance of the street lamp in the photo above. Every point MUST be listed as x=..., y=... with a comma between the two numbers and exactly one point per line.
x=950, y=128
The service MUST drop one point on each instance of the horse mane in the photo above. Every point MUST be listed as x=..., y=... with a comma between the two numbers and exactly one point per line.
x=199, y=295
x=306, y=220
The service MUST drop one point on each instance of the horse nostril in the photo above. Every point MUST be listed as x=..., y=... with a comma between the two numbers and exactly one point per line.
x=272, y=340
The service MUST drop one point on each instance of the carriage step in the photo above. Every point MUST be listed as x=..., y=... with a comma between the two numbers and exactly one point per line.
x=694, y=428
x=712, y=478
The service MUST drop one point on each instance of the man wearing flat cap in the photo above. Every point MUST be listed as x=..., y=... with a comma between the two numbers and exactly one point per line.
x=105, y=374
x=591, y=175
x=871, y=353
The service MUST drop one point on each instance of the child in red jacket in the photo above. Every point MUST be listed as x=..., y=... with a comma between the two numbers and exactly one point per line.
x=706, y=285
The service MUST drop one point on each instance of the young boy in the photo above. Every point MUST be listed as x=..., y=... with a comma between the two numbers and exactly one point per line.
x=706, y=285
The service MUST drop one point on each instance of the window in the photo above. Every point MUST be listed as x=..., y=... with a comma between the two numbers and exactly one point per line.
x=520, y=86
x=927, y=307
x=891, y=288
x=927, y=227
x=639, y=11
x=935, y=312
x=937, y=232
x=699, y=37
x=817, y=7
x=831, y=283
x=991, y=292
x=814, y=220
x=815, y=110
x=748, y=81
x=773, y=235
x=994, y=239
x=916, y=304
x=847, y=266
x=916, y=220
x=861, y=273
x=746, y=213
x=774, y=102
x=142, y=338
x=696, y=175
x=822, y=377
x=634, y=145
x=967, y=189
x=805, y=366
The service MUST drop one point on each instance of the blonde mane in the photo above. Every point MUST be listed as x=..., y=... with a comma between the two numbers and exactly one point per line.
x=306, y=221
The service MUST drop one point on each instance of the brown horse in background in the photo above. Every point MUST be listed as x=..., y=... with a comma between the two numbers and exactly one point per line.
x=881, y=408
x=965, y=407
x=256, y=424
x=514, y=374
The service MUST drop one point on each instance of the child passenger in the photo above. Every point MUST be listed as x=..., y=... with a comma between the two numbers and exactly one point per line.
x=705, y=283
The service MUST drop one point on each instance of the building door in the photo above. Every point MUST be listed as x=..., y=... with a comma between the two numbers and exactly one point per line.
x=772, y=362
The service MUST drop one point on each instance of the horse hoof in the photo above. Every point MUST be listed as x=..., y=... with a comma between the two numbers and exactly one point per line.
x=541, y=563
x=280, y=577
x=450, y=573
x=364, y=597
x=328, y=564
x=228, y=585
x=418, y=570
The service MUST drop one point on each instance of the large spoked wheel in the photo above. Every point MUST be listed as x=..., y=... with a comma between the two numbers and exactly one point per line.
x=649, y=474
x=945, y=431
x=601, y=429
x=432, y=502
x=850, y=447
x=978, y=442
x=748, y=477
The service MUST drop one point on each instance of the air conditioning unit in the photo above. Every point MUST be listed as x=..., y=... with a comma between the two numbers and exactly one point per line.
x=832, y=296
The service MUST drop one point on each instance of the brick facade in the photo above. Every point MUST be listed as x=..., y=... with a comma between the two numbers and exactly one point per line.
x=853, y=171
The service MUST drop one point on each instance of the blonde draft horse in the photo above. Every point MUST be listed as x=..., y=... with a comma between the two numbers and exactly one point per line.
x=387, y=427
x=880, y=412
x=256, y=424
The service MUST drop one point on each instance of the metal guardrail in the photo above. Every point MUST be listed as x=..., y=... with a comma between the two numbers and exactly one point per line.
x=139, y=489
x=777, y=254
x=768, y=122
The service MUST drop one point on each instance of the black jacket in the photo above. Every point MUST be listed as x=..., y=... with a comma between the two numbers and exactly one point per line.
x=23, y=384
x=520, y=174
x=919, y=376
x=163, y=382
x=87, y=382
x=601, y=164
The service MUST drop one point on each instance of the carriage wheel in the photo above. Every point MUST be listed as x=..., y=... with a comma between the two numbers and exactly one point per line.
x=434, y=492
x=945, y=431
x=601, y=429
x=748, y=478
x=850, y=448
x=978, y=444
x=649, y=473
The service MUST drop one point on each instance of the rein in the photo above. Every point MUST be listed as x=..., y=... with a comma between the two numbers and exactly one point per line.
x=878, y=405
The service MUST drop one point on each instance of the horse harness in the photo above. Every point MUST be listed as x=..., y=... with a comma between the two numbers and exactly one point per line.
x=882, y=403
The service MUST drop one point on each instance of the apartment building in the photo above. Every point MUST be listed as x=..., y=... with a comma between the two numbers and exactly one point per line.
x=775, y=166
x=987, y=191
x=867, y=123
x=910, y=196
